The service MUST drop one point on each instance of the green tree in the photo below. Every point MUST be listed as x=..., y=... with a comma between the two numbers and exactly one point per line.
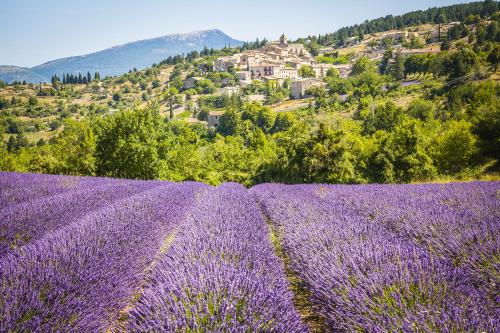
x=397, y=69
x=487, y=128
x=314, y=48
x=203, y=114
x=3, y=103
x=75, y=148
x=283, y=121
x=205, y=87
x=171, y=97
x=383, y=117
x=494, y=57
x=275, y=98
x=127, y=145
x=418, y=64
x=179, y=153
x=493, y=32
x=265, y=119
x=325, y=155
x=411, y=158
x=332, y=72
x=228, y=123
x=44, y=160
x=380, y=167
x=54, y=124
x=226, y=160
x=362, y=65
x=335, y=156
x=459, y=64
x=306, y=71
x=456, y=147
x=388, y=54
x=32, y=101
x=422, y=109
x=11, y=144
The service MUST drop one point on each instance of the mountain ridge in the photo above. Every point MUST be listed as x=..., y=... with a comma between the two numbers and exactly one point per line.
x=121, y=58
x=11, y=73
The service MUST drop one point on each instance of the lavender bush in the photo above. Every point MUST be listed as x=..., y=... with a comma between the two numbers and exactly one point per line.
x=220, y=274
x=25, y=222
x=21, y=187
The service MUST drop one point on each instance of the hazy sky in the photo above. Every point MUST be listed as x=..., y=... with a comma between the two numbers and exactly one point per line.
x=35, y=31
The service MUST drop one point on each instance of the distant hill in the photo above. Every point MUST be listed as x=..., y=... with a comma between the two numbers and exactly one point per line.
x=14, y=73
x=120, y=59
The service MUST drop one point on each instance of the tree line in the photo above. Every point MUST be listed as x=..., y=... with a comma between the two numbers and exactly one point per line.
x=460, y=12
x=451, y=132
x=68, y=78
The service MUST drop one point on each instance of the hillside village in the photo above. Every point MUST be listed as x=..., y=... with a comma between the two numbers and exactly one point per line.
x=282, y=60
x=275, y=62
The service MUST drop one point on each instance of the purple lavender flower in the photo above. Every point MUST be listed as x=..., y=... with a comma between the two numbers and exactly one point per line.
x=219, y=275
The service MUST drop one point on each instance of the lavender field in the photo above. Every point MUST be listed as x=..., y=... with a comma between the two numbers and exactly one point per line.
x=81, y=254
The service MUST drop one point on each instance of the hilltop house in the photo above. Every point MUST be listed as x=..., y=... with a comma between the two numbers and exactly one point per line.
x=300, y=86
x=230, y=91
x=190, y=82
x=213, y=118
x=344, y=70
x=244, y=76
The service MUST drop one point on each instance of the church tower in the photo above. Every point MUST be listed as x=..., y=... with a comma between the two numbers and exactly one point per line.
x=283, y=39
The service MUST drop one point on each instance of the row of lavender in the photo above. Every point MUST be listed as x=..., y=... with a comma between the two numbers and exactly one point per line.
x=30, y=220
x=78, y=270
x=21, y=187
x=388, y=258
x=220, y=275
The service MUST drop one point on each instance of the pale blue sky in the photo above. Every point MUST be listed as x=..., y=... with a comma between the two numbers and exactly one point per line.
x=35, y=31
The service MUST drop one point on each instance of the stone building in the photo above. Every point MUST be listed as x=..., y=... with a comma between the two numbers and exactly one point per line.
x=300, y=86
x=213, y=118
x=230, y=91
x=190, y=82
x=244, y=76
